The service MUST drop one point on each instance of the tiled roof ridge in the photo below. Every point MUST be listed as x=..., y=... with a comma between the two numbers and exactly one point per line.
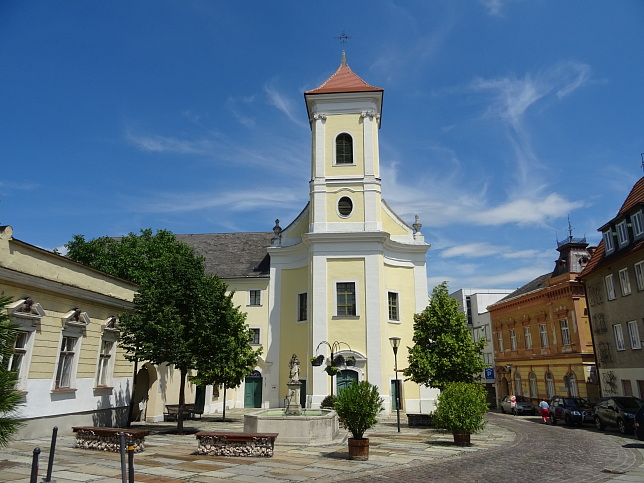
x=634, y=197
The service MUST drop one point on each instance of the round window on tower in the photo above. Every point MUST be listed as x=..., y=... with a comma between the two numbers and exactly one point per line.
x=345, y=206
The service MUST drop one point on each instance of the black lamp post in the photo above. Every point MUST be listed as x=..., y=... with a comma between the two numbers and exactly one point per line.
x=395, y=343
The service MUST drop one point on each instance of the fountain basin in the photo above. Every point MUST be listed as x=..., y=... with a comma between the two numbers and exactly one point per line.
x=318, y=426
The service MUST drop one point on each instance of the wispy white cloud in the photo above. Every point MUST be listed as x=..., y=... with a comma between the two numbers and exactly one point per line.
x=472, y=250
x=235, y=106
x=282, y=102
x=165, y=144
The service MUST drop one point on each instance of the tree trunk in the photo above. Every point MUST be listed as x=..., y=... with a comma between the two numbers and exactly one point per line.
x=182, y=400
x=223, y=418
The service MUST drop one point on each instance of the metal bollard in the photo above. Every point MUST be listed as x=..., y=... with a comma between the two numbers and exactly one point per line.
x=52, y=450
x=34, y=466
x=130, y=460
x=122, y=450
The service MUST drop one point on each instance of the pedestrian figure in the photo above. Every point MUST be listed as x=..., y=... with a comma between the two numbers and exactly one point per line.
x=545, y=410
x=513, y=404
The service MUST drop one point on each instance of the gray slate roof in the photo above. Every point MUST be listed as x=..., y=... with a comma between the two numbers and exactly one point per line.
x=232, y=255
x=536, y=284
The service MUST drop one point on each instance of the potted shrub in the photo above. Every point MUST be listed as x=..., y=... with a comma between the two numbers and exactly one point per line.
x=317, y=361
x=461, y=409
x=358, y=406
x=350, y=361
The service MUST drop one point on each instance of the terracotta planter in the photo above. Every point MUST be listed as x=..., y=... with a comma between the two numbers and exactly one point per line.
x=359, y=449
x=461, y=438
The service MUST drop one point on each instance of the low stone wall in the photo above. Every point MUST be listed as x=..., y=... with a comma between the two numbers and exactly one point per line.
x=107, y=439
x=419, y=420
x=236, y=444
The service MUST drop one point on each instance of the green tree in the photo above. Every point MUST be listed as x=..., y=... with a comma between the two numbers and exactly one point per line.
x=179, y=311
x=9, y=396
x=443, y=350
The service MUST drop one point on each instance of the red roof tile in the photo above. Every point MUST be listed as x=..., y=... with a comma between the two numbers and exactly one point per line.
x=344, y=80
x=635, y=196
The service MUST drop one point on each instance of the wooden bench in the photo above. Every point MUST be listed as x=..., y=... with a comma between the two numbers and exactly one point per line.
x=172, y=412
x=236, y=444
x=415, y=420
x=107, y=439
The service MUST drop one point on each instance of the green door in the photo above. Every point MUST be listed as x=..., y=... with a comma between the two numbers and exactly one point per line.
x=253, y=390
x=344, y=379
x=395, y=394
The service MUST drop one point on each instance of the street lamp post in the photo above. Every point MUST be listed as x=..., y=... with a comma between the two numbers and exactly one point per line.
x=395, y=343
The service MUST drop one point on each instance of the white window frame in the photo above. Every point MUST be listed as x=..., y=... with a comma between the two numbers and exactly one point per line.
x=550, y=384
x=499, y=340
x=257, y=335
x=619, y=337
x=105, y=366
x=624, y=282
x=73, y=362
x=543, y=335
x=639, y=274
x=622, y=234
x=24, y=351
x=518, y=389
x=335, y=149
x=355, y=294
x=534, y=388
x=513, y=339
x=527, y=336
x=637, y=222
x=609, y=241
x=397, y=307
x=299, y=314
x=250, y=297
x=634, y=334
x=565, y=332
x=609, y=281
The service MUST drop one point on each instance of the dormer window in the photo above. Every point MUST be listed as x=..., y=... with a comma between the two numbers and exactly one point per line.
x=344, y=149
x=622, y=234
x=637, y=221
x=609, y=243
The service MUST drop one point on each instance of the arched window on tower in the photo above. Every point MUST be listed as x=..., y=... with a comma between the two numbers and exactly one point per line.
x=344, y=149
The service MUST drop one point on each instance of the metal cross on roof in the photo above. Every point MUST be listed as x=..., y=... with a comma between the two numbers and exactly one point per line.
x=343, y=37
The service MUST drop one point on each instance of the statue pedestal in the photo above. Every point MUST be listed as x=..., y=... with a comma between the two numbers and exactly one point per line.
x=293, y=405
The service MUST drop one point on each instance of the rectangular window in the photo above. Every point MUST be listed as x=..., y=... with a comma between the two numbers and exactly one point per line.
x=565, y=332
x=527, y=335
x=254, y=336
x=393, y=306
x=543, y=334
x=499, y=339
x=66, y=362
x=637, y=221
x=346, y=298
x=513, y=340
x=610, y=287
x=609, y=243
x=104, y=367
x=634, y=335
x=17, y=359
x=255, y=297
x=302, y=307
x=622, y=233
x=639, y=275
x=619, y=337
x=624, y=283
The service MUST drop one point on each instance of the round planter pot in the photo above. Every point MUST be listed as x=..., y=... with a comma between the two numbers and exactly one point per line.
x=461, y=438
x=359, y=449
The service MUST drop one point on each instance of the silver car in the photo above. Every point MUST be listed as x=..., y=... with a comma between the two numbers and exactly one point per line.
x=522, y=406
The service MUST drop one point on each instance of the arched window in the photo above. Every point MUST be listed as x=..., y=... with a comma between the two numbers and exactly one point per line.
x=517, y=384
x=534, y=391
x=571, y=384
x=550, y=384
x=344, y=149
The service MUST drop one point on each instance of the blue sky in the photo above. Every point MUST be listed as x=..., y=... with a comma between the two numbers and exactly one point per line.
x=501, y=119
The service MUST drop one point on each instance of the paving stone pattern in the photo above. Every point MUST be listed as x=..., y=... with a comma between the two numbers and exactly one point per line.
x=510, y=448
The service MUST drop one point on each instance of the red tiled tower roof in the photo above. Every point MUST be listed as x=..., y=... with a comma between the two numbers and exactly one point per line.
x=344, y=80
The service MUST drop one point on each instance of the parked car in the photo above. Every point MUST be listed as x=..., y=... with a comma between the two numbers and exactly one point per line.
x=571, y=410
x=639, y=424
x=523, y=406
x=617, y=411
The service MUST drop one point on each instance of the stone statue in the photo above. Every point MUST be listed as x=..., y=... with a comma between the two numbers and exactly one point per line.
x=294, y=372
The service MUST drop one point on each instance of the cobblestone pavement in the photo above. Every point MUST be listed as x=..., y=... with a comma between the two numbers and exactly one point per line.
x=538, y=453
x=518, y=448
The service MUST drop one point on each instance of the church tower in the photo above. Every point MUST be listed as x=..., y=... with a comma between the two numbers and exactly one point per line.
x=347, y=274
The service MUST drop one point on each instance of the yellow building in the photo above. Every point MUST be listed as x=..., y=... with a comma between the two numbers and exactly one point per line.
x=70, y=368
x=541, y=333
x=345, y=276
